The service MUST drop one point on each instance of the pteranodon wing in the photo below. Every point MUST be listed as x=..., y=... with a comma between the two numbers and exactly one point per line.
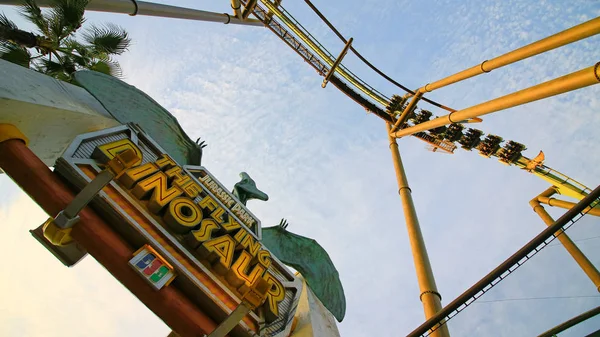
x=127, y=104
x=313, y=262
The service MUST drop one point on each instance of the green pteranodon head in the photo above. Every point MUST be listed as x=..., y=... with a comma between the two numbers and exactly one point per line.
x=246, y=189
x=312, y=261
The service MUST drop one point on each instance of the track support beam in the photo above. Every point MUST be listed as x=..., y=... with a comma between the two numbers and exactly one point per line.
x=579, y=32
x=566, y=205
x=527, y=249
x=407, y=111
x=430, y=297
x=577, y=80
x=586, y=265
x=337, y=63
x=134, y=7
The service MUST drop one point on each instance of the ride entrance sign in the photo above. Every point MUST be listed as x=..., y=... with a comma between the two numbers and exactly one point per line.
x=159, y=222
x=189, y=230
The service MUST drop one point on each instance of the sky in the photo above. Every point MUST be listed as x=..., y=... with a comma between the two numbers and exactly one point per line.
x=326, y=165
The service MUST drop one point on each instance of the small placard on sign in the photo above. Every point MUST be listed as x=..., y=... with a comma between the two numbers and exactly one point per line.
x=152, y=267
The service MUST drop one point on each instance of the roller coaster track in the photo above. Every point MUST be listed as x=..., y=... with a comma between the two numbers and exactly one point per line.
x=305, y=45
x=290, y=31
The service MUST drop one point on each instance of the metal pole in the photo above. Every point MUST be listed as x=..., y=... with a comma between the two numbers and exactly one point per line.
x=409, y=108
x=566, y=205
x=576, y=80
x=134, y=8
x=505, y=266
x=573, y=321
x=430, y=297
x=236, y=5
x=583, y=262
x=248, y=9
x=231, y=321
x=565, y=37
x=336, y=63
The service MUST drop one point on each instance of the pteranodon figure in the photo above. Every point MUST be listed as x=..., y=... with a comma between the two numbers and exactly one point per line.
x=246, y=189
x=312, y=261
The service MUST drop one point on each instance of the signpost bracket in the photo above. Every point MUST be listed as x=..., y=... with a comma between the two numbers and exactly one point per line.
x=58, y=229
x=231, y=321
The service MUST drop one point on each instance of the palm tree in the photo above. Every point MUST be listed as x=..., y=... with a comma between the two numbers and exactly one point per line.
x=54, y=48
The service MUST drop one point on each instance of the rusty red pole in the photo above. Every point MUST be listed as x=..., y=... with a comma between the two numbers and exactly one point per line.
x=101, y=242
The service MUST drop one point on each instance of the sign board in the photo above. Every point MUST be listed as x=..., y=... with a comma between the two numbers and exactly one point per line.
x=191, y=232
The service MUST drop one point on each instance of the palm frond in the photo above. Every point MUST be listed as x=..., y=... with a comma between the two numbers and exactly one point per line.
x=50, y=67
x=61, y=70
x=32, y=12
x=61, y=54
x=107, y=67
x=108, y=39
x=72, y=46
x=6, y=23
x=15, y=54
x=55, y=28
x=68, y=16
x=78, y=52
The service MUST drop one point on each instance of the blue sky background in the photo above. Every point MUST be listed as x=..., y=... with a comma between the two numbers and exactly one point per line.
x=326, y=166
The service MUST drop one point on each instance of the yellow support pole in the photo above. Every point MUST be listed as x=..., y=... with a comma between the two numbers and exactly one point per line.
x=583, y=262
x=236, y=5
x=430, y=297
x=337, y=63
x=565, y=37
x=409, y=108
x=570, y=82
x=567, y=205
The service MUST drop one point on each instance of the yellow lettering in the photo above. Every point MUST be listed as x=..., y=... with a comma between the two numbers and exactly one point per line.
x=205, y=179
x=217, y=214
x=106, y=152
x=264, y=258
x=275, y=295
x=239, y=275
x=239, y=211
x=231, y=224
x=133, y=175
x=182, y=215
x=165, y=162
x=219, y=251
x=208, y=202
x=182, y=180
x=161, y=194
x=191, y=188
x=252, y=245
x=177, y=175
x=239, y=236
x=207, y=226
